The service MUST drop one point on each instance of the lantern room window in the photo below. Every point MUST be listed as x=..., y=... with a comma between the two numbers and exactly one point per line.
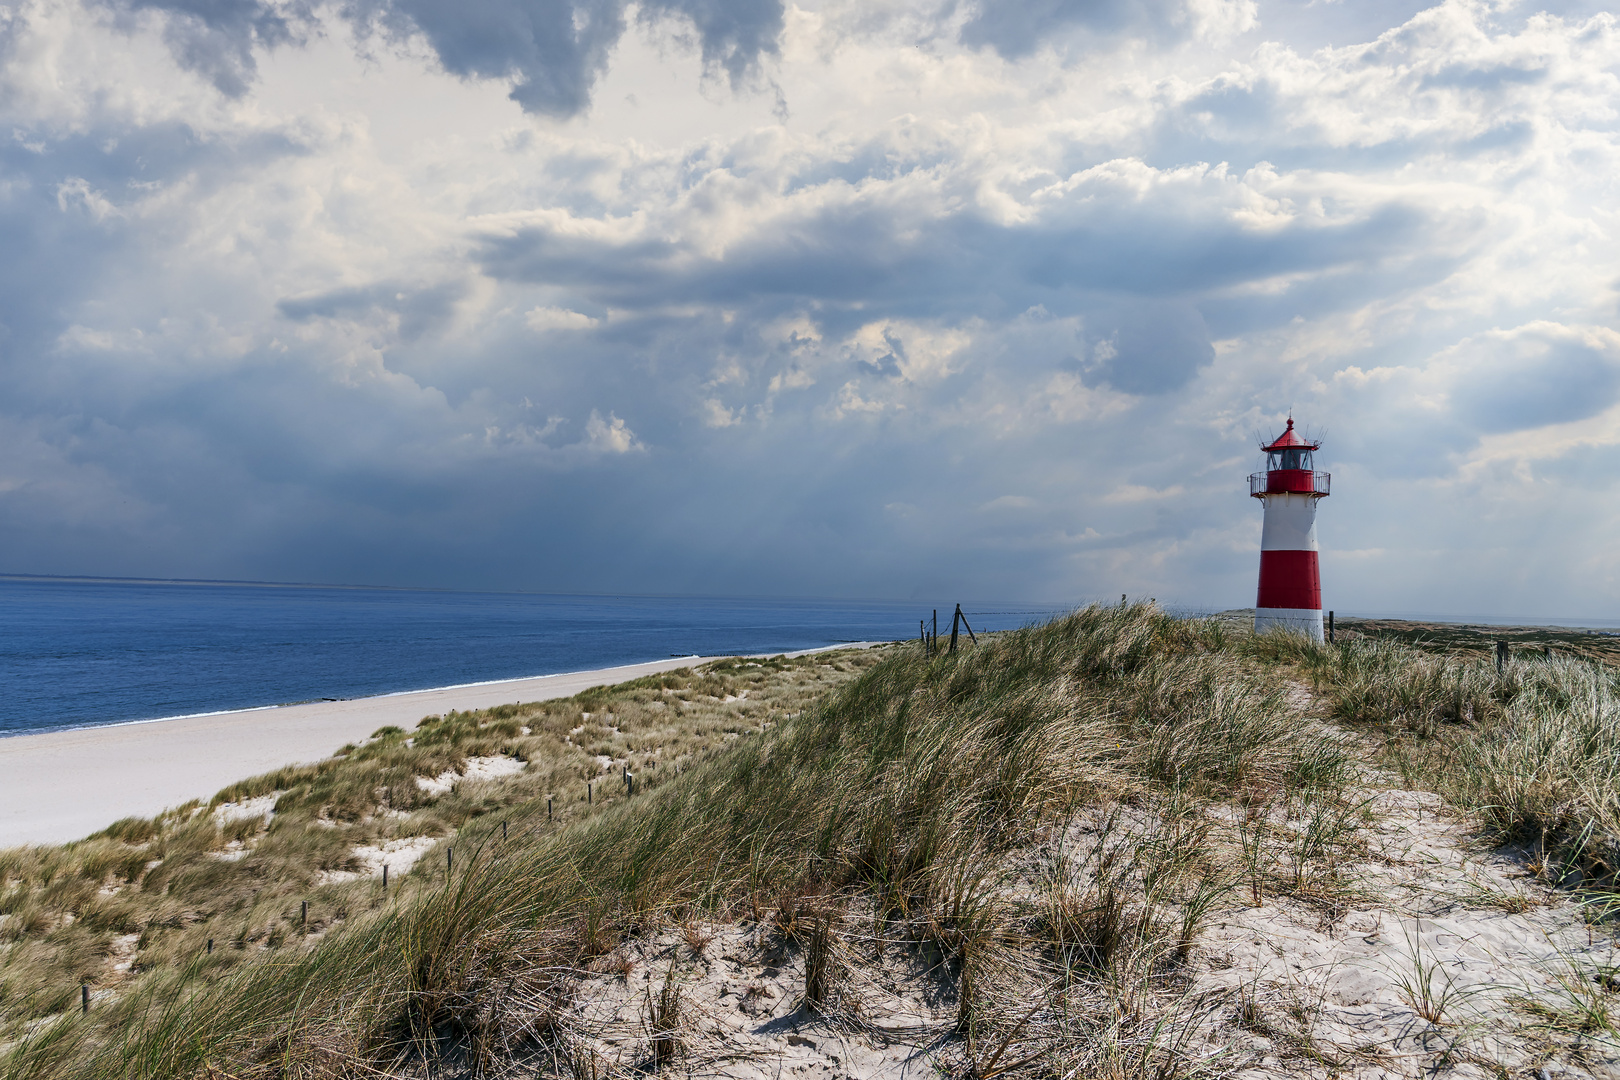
x=1293, y=457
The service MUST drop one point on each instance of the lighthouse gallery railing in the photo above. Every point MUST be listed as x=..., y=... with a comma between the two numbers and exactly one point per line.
x=1281, y=481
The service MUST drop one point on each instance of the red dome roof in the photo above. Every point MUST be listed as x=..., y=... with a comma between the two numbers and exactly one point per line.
x=1289, y=438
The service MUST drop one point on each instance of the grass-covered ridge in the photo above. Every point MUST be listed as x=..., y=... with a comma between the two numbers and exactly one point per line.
x=144, y=897
x=915, y=793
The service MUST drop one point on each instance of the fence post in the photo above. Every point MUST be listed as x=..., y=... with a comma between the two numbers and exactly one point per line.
x=548, y=809
x=449, y=861
x=1501, y=655
x=1330, y=628
x=936, y=632
x=385, y=877
x=954, y=620
x=84, y=997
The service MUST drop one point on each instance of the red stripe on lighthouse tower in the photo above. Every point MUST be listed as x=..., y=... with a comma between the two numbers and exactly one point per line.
x=1289, y=579
x=1290, y=594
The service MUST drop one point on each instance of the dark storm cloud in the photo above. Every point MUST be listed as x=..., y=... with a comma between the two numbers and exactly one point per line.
x=555, y=50
x=552, y=50
x=915, y=256
x=217, y=38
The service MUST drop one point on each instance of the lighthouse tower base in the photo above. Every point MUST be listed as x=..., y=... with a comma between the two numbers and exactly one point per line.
x=1307, y=621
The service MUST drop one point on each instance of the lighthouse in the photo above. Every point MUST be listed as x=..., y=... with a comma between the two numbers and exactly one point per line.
x=1290, y=587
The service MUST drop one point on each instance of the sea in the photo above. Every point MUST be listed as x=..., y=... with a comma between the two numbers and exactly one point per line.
x=80, y=652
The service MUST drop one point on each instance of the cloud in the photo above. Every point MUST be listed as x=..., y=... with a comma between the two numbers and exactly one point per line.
x=1534, y=376
x=553, y=52
x=609, y=436
x=1148, y=347
x=1016, y=28
x=359, y=317
x=217, y=39
x=541, y=319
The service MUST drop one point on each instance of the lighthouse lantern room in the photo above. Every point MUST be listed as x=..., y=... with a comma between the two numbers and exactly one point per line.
x=1290, y=586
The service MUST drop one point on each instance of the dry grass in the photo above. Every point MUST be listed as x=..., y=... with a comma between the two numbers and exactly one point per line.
x=1037, y=815
x=1531, y=752
x=144, y=897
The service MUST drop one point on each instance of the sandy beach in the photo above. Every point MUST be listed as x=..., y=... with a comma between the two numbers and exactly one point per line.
x=63, y=785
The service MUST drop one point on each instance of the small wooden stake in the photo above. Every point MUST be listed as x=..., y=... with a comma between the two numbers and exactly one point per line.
x=84, y=997
x=449, y=861
x=385, y=877
x=587, y=791
x=210, y=946
x=548, y=808
x=303, y=912
x=503, y=830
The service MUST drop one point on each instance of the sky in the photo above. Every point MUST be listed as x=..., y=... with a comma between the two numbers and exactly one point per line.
x=927, y=299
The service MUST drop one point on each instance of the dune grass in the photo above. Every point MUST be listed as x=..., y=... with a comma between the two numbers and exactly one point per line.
x=1531, y=752
x=143, y=898
x=1081, y=759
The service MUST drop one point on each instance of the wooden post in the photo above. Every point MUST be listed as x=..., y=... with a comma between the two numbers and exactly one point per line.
x=971, y=635
x=385, y=877
x=1330, y=628
x=449, y=861
x=629, y=783
x=922, y=633
x=210, y=946
x=936, y=632
x=587, y=791
x=503, y=830
x=548, y=809
x=955, y=619
x=1501, y=655
x=84, y=997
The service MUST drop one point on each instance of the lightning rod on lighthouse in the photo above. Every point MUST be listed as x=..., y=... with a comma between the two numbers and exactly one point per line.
x=1290, y=593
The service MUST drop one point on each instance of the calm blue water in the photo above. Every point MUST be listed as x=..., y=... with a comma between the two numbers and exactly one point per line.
x=78, y=653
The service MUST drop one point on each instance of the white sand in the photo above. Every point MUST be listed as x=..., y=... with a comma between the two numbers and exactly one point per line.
x=62, y=785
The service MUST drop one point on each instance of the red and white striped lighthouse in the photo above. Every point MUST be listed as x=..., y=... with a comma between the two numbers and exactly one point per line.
x=1290, y=586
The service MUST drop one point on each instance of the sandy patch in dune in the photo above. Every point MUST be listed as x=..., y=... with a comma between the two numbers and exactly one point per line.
x=477, y=768
x=261, y=807
x=398, y=855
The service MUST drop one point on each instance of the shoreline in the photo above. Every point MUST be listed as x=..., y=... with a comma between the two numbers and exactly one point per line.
x=62, y=785
x=678, y=660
